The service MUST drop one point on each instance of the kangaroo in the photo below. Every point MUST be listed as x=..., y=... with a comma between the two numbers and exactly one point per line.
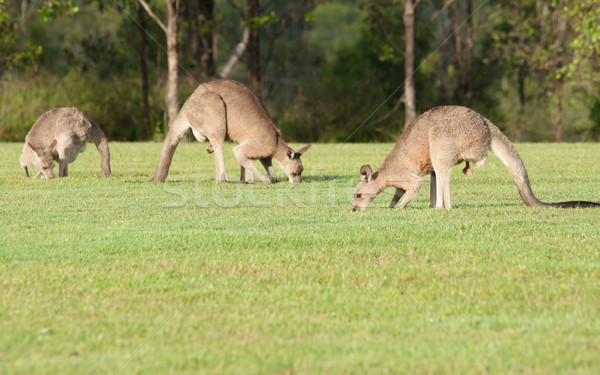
x=432, y=144
x=61, y=134
x=224, y=109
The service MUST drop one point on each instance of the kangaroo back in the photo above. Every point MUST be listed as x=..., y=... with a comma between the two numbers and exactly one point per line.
x=504, y=149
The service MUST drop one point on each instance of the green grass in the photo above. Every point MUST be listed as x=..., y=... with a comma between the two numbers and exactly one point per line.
x=123, y=276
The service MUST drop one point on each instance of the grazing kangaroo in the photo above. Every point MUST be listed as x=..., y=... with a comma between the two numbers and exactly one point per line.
x=221, y=110
x=432, y=144
x=61, y=134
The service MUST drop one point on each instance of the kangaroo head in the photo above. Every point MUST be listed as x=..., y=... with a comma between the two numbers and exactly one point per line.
x=292, y=165
x=366, y=190
x=42, y=159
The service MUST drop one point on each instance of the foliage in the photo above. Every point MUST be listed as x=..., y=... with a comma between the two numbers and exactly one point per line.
x=595, y=117
x=585, y=16
x=55, y=8
x=13, y=54
x=45, y=91
x=331, y=71
x=206, y=278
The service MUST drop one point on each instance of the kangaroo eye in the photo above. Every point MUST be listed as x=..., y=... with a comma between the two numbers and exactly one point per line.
x=358, y=195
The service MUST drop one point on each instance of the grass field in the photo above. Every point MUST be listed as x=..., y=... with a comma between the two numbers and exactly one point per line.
x=123, y=276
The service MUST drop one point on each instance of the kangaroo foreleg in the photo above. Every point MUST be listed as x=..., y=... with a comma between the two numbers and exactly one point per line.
x=268, y=164
x=247, y=177
x=409, y=196
x=397, y=195
x=412, y=192
x=240, y=154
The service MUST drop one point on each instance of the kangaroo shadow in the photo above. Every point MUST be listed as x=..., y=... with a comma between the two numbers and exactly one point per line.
x=320, y=178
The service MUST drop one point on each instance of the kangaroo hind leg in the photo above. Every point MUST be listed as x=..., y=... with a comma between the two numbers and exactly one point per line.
x=210, y=121
x=443, y=188
x=63, y=161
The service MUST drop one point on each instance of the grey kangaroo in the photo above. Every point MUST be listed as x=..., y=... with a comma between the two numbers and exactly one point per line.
x=61, y=134
x=221, y=110
x=432, y=144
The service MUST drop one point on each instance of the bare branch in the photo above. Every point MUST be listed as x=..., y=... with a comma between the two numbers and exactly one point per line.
x=152, y=15
x=446, y=5
x=235, y=55
x=391, y=112
x=271, y=44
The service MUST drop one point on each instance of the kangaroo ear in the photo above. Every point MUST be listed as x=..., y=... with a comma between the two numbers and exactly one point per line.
x=366, y=173
x=302, y=150
x=33, y=150
x=290, y=153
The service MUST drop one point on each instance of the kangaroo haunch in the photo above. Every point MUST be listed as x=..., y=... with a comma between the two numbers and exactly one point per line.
x=61, y=134
x=432, y=144
x=221, y=110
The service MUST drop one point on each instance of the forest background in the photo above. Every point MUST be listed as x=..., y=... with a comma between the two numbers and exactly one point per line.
x=327, y=71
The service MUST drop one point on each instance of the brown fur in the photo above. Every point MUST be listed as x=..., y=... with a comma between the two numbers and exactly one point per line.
x=435, y=142
x=222, y=110
x=60, y=135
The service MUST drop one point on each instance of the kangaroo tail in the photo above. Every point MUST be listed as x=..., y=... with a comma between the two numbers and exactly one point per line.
x=503, y=148
x=101, y=143
x=575, y=204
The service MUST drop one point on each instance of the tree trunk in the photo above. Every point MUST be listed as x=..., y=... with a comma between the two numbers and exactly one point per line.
x=469, y=63
x=558, y=133
x=173, y=79
x=522, y=101
x=410, y=111
x=252, y=51
x=457, y=59
x=141, y=19
x=208, y=52
x=191, y=31
x=200, y=38
x=560, y=28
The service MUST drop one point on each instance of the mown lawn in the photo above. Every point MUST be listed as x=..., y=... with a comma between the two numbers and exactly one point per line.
x=123, y=276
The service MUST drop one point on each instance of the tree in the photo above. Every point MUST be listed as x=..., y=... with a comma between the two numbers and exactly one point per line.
x=11, y=54
x=170, y=30
x=410, y=109
x=198, y=26
x=555, y=37
x=262, y=27
x=253, y=49
x=141, y=19
x=468, y=76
